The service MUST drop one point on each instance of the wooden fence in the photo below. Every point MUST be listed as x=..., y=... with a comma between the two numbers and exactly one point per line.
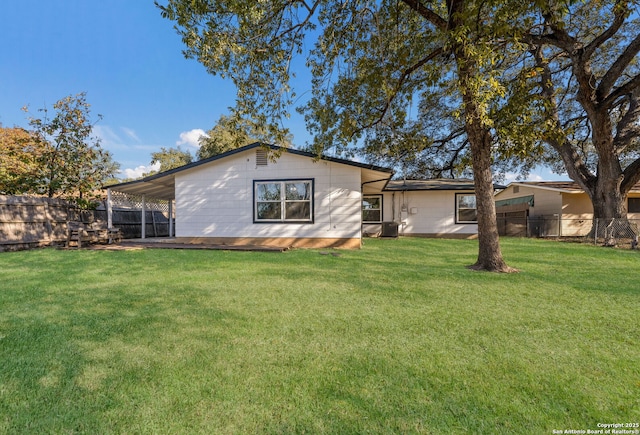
x=28, y=221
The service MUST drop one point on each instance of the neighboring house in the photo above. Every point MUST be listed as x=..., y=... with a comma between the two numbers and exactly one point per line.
x=245, y=196
x=550, y=208
x=423, y=208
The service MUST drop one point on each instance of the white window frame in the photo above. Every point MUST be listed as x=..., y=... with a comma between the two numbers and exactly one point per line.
x=458, y=208
x=364, y=197
x=283, y=201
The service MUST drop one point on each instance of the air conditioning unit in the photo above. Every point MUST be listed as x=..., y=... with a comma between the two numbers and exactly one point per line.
x=389, y=229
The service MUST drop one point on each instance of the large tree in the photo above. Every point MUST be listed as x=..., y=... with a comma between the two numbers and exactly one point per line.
x=74, y=165
x=572, y=89
x=584, y=65
x=369, y=61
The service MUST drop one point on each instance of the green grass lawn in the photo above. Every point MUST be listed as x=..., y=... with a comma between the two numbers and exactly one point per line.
x=398, y=337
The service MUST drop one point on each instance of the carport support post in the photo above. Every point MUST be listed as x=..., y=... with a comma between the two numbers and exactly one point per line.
x=144, y=218
x=171, y=218
x=109, y=210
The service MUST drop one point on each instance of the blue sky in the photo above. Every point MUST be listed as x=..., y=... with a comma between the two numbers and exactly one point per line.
x=129, y=61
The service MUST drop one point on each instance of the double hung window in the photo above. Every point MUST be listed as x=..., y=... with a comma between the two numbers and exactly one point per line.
x=283, y=201
x=466, y=209
x=372, y=209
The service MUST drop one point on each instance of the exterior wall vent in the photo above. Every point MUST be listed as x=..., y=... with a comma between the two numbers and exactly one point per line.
x=262, y=158
x=516, y=189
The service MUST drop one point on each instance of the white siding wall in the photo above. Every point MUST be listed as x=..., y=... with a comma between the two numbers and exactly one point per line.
x=433, y=212
x=216, y=199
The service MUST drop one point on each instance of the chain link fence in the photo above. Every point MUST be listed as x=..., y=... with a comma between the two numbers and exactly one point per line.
x=616, y=232
x=604, y=232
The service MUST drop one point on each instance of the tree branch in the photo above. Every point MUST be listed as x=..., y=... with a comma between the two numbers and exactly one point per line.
x=618, y=67
x=628, y=128
x=403, y=77
x=295, y=28
x=427, y=13
x=574, y=164
x=606, y=35
x=628, y=88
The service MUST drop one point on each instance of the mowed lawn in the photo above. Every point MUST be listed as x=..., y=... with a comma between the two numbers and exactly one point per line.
x=398, y=337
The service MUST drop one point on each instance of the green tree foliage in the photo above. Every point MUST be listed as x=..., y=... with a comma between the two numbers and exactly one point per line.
x=170, y=158
x=74, y=165
x=370, y=61
x=571, y=83
x=20, y=155
x=583, y=74
x=230, y=133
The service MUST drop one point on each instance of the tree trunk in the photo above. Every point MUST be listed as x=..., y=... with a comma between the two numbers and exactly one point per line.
x=489, y=252
x=607, y=196
x=608, y=201
x=480, y=141
x=610, y=210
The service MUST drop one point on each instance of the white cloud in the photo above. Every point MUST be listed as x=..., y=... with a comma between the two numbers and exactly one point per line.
x=137, y=172
x=191, y=137
x=535, y=177
x=130, y=133
x=537, y=174
x=107, y=136
x=511, y=177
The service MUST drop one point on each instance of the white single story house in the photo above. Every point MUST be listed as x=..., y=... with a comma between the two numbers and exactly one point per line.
x=423, y=208
x=295, y=199
x=552, y=208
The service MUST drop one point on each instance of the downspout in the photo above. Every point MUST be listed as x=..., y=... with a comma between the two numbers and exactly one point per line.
x=144, y=218
x=109, y=210
x=404, y=207
x=393, y=206
x=171, y=218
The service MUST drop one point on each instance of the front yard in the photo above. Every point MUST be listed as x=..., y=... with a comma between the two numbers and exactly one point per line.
x=395, y=338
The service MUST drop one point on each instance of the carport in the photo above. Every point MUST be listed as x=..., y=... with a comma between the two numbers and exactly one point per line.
x=153, y=188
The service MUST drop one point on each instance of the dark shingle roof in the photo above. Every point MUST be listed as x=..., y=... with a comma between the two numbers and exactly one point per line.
x=434, y=184
x=565, y=186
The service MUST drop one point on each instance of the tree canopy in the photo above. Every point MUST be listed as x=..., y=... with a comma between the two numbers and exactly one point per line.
x=71, y=162
x=369, y=61
x=584, y=73
x=170, y=158
x=571, y=83
x=21, y=154
x=230, y=133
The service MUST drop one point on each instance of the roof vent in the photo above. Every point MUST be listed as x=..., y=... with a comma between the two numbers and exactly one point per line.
x=261, y=157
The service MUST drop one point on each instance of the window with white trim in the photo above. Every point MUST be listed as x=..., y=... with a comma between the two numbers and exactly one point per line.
x=283, y=201
x=466, y=212
x=371, y=209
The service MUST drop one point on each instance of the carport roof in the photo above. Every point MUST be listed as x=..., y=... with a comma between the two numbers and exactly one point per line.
x=162, y=185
